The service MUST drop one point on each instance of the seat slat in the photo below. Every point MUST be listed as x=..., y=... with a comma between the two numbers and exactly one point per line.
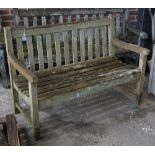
x=40, y=52
x=58, y=50
x=49, y=51
x=74, y=74
x=66, y=48
x=30, y=53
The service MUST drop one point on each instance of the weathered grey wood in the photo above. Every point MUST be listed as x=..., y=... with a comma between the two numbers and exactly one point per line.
x=61, y=20
x=58, y=50
x=35, y=21
x=140, y=82
x=104, y=41
x=74, y=46
x=30, y=53
x=77, y=18
x=69, y=19
x=94, y=17
x=97, y=43
x=20, y=52
x=43, y=20
x=90, y=44
x=111, y=35
x=12, y=130
x=26, y=22
x=40, y=52
x=66, y=47
x=59, y=28
x=49, y=51
x=52, y=20
x=85, y=17
x=82, y=45
x=34, y=109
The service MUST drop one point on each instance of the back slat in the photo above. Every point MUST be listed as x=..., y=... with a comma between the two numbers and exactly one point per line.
x=69, y=19
x=40, y=52
x=97, y=44
x=90, y=43
x=66, y=47
x=30, y=53
x=43, y=20
x=20, y=49
x=26, y=22
x=61, y=20
x=52, y=20
x=74, y=46
x=34, y=21
x=104, y=41
x=49, y=51
x=82, y=44
x=77, y=18
x=57, y=48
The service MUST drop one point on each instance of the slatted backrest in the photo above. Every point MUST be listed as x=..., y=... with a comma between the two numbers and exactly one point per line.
x=43, y=17
x=88, y=40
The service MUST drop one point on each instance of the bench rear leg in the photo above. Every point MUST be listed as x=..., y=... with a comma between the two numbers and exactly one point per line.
x=140, y=82
x=34, y=110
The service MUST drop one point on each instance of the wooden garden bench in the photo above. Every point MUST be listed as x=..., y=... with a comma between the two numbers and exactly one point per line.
x=80, y=60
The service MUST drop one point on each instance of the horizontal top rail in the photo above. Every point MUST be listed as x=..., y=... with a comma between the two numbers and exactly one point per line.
x=58, y=28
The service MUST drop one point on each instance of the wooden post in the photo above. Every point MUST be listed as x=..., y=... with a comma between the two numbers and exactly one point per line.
x=34, y=109
x=140, y=82
x=12, y=71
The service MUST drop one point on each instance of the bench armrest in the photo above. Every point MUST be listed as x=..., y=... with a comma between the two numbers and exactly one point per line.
x=130, y=47
x=30, y=76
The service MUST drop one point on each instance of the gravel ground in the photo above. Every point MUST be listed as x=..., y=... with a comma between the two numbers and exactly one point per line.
x=106, y=118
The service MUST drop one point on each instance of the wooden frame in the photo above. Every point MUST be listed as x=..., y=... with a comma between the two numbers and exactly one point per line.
x=89, y=72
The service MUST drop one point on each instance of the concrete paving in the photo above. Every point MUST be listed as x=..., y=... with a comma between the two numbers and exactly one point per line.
x=110, y=117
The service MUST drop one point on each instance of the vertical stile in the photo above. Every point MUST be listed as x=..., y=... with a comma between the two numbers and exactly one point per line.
x=111, y=34
x=104, y=40
x=82, y=44
x=20, y=52
x=34, y=21
x=85, y=18
x=69, y=19
x=94, y=17
x=49, y=51
x=90, y=43
x=30, y=53
x=101, y=16
x=61, y=20
x=57, y=48
x=40, y=52
x=77, y=18
x=97, y=43
x=66, y=47
x=26, y=22
x=43, y=20
x=117, y=25
x=74, y=46
x=52, y=20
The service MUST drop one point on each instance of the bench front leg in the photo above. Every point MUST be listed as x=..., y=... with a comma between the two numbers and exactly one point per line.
x=33, y=94
x=140, y=82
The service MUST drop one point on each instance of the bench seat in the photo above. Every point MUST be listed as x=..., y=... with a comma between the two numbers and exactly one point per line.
x=68, y=79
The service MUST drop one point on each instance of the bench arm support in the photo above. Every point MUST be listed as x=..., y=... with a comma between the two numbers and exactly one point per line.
x=130, y=47
x=14, y=62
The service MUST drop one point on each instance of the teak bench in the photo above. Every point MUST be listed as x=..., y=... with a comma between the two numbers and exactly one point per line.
x=80, y=60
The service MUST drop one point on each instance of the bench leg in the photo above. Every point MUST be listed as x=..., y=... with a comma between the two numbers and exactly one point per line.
x=15, y=100
x=34, y=110
x=140, y=82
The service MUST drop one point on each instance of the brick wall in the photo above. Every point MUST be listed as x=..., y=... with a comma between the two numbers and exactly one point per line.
x=7, y=16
